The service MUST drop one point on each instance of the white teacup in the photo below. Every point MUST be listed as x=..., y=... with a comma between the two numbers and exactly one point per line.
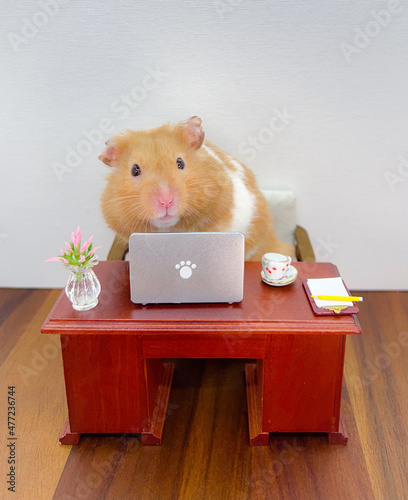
x=274, y=265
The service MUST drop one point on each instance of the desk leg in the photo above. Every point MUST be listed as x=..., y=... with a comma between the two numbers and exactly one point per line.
x=301, y=385
x=154, y=425
x=112, y=388
x=68, y=437
x=339, y=437
x=253, y=375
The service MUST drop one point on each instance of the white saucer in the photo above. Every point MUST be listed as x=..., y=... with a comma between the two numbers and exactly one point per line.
x=288, y=278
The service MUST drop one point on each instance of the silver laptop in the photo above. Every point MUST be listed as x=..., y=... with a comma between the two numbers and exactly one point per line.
x=186, y=267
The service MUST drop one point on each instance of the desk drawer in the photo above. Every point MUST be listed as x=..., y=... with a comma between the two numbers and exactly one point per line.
x=186, y=346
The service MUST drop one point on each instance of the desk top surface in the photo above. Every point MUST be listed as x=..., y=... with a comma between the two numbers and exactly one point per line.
x=265, y=309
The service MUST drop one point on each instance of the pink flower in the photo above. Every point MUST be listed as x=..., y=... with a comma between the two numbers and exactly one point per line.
x=76, y=254
x=86, y=244
x=53, y=259
x=93, y=250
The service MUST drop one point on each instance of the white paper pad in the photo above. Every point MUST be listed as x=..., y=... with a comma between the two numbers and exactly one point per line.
x=328, y=286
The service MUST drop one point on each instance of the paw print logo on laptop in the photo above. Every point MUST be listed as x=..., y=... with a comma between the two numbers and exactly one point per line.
x=186, y=269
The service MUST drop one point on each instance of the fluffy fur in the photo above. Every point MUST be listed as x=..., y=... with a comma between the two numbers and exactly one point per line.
x=213, y=192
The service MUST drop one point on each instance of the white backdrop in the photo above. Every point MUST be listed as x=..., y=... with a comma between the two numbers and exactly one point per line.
x=74, y=73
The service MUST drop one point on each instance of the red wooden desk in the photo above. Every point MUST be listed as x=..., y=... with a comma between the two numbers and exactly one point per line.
x=116, y=381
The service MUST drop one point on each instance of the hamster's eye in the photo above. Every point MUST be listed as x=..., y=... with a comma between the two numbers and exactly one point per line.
x=136, y=170
x=180, y=163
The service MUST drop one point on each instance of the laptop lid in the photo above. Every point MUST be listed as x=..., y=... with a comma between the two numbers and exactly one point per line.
x=186, y=267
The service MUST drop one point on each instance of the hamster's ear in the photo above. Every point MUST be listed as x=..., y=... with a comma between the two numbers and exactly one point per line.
x=192, y=132
x=109, y=155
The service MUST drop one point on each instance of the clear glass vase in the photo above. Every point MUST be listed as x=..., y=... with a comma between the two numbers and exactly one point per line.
x=83, y=288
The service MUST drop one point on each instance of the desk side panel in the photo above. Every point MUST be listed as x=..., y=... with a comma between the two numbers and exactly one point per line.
x=302, y=377
x=105, y=383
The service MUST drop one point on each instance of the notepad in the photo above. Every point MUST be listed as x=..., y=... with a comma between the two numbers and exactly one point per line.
x=328, y=286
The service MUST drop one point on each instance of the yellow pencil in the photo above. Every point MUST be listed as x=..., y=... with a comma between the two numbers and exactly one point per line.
x=347, y=298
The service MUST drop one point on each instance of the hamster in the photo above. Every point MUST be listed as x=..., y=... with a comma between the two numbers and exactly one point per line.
x=169, y=179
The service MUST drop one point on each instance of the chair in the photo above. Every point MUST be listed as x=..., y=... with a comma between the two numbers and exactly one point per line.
x=283, y=207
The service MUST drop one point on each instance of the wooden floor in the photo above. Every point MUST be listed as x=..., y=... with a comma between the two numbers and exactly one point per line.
x=206, y=454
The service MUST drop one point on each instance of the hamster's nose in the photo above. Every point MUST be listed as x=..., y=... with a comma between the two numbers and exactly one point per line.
x=166, y=199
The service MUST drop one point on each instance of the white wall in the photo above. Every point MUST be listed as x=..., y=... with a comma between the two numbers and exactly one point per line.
x=343, y=150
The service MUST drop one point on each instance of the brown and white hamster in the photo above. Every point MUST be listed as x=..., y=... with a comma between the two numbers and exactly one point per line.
x=169, y=179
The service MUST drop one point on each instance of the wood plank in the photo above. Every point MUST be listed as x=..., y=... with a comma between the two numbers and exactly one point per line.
x=206, y=452
x=376, y=374
x=12, y=305
x=34, y=367
x=9, y=299
x=127, y=469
